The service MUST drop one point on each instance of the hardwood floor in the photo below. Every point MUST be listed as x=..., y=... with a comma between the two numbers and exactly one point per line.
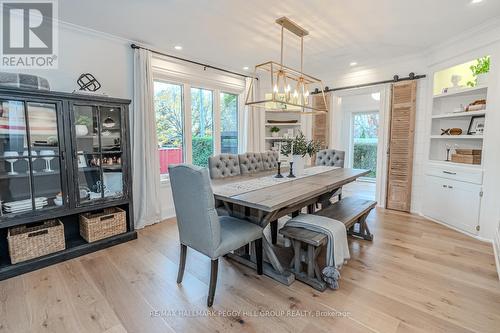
x=416, y=276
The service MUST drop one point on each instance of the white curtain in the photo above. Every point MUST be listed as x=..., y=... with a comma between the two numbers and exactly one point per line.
x=145, y=159
x=253, y=122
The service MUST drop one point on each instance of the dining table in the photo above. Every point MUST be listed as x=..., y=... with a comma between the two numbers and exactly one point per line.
x=261, y=198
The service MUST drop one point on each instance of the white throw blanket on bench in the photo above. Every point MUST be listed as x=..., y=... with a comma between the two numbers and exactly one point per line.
x=337, y=251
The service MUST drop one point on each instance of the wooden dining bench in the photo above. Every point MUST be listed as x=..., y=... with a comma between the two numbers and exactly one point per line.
x=351, y=211
x=307, y=245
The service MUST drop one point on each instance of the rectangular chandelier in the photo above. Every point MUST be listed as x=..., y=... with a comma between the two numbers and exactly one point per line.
x=279, y=88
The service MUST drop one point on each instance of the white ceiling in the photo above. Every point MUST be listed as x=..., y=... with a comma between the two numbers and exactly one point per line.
x=237, y=33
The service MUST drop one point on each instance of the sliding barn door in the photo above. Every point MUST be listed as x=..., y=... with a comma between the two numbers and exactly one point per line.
x=320, y=122
x=399, y=178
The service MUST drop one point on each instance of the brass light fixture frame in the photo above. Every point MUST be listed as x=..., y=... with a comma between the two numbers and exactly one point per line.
x=278, y=71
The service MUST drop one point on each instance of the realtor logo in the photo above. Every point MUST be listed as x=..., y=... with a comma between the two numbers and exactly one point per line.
x=29, y=34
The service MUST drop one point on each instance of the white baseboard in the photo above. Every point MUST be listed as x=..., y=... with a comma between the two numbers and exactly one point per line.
x=482, y=239
x=496, y=251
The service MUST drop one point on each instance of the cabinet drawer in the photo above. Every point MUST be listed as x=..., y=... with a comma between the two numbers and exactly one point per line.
x=464, y=174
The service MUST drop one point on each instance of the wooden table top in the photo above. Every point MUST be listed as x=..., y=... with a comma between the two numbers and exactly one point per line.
x=274, y=197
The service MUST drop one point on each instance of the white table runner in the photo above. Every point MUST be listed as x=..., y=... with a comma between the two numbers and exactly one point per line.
x=262, y=182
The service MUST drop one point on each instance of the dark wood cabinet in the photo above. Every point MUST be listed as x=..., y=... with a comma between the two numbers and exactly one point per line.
x=61, y=155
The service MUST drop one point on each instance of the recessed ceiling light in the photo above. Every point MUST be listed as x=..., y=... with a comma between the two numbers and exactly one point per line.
x=354, y=63
x=178, y=47
x=476, y=1
x=245, y=68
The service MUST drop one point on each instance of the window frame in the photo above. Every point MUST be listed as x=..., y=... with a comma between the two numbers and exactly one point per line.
x=238, y=118
x=186, y=85
x=166, y=177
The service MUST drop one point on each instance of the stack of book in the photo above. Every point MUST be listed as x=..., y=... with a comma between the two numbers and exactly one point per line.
x=467, y=156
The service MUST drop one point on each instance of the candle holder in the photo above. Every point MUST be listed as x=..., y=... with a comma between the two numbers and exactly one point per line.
x=448, y=149
x=291, y=175
x=279, y=175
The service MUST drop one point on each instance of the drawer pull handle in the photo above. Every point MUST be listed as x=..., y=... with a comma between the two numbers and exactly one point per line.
x=449, y=186
x=449, y=173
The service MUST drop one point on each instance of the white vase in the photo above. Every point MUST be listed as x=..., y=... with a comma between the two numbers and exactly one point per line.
x=81, y=130
x=298, y=165
x=482, y=79
x=274, y=134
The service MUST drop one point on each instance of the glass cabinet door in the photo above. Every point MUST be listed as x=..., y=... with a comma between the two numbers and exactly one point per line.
x=98, y=134
x=30, y=165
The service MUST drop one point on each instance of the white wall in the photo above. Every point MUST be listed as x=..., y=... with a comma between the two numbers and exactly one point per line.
x=108, y=58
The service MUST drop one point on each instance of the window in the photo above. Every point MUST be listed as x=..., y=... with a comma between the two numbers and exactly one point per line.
x=202, y=131
x=229, y=123
x=194, y=122
x=170, y=123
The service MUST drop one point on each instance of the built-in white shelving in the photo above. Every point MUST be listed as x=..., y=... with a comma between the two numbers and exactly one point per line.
x=459, y=114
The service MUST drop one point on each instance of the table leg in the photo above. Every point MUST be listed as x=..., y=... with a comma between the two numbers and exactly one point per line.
x=273, y=268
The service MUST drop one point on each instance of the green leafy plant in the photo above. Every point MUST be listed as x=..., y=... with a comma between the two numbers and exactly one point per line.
x=84, y=120
x=365, y=157
x=275, y=129
x=482, y=66
x=300, y=145
x=202, y=150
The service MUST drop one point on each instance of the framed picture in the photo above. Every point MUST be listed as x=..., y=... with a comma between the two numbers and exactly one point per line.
x=476, y=126
x=82, y=162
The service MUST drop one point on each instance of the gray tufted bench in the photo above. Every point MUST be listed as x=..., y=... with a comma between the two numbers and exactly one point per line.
x=251, y=163
x=224, y=165
x=331, y=157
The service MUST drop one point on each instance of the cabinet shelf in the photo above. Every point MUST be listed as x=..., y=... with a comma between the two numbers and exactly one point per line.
x=457, y=137
x=75, y=247
x=459, y=114
x=462, y=92
x=26, y=175
x=283, y=124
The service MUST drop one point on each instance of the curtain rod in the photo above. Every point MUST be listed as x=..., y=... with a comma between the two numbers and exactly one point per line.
x=395, y=79
x=205, y=66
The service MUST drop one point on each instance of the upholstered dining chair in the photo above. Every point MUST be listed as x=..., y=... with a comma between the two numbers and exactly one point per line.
x=201, y=228
x=224, y=165
x=270, y=160
x=331, y=157
x=250, y=163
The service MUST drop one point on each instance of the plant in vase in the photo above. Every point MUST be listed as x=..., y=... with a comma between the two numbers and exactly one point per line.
x=297, y=148
x=480, y=71
x=82, y=125
x=274, y=131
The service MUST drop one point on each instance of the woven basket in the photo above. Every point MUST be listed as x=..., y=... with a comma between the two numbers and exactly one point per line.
x=32, y=242
x=104, y=224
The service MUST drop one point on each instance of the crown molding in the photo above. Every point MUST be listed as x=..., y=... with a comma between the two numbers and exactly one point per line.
x=96, y=33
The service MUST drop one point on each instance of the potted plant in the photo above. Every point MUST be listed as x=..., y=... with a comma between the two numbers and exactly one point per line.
x=297, y=148
x=274, y=131
x=480, y=72
x=82, y=124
